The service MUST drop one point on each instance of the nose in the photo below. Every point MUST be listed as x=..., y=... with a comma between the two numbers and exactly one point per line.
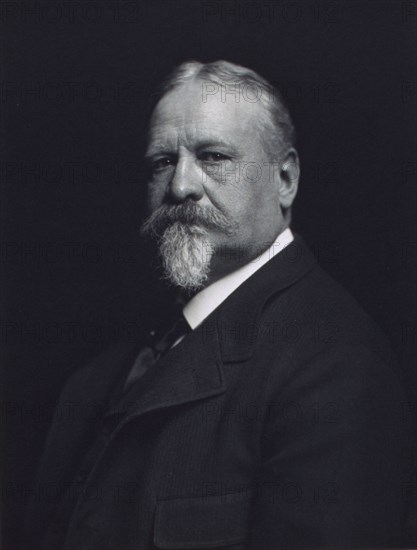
x=186, y=182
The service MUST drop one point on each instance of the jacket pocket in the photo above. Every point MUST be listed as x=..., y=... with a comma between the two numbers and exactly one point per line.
x=202, y=522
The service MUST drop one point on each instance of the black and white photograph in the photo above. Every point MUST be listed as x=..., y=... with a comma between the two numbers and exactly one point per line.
x=208, y=275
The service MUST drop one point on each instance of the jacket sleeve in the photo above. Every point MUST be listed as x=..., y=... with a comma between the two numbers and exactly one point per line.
x=334, y=456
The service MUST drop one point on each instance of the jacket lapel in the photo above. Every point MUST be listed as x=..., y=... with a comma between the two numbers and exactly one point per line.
x=190, y=371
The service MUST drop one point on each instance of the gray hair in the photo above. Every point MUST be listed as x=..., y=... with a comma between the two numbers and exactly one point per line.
x=222, y=74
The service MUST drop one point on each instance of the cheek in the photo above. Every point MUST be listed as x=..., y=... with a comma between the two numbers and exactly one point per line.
x=231, y=202
x=220, y=174
x=224, y=183
x=224, y=197
x=245, y=204
x=155, y=193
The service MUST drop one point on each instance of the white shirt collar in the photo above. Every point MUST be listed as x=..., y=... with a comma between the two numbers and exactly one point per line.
x=208, y=299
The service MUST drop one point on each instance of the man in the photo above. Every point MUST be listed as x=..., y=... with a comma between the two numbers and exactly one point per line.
x=269, y=414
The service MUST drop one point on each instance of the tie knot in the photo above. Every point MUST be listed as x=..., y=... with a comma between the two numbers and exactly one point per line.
x=178, y=329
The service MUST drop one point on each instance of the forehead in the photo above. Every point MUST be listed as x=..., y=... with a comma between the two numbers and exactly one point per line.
x=186, y=114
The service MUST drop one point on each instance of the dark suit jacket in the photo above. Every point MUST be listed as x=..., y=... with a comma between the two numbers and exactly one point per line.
x=275, y=424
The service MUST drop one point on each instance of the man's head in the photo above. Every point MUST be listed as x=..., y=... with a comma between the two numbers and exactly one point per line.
x=223, y=171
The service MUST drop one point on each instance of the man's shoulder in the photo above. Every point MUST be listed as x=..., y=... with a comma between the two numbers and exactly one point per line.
x=292, y=291
x=320, y=307
x=325, y=299
x=314, y=340
x=316, y=330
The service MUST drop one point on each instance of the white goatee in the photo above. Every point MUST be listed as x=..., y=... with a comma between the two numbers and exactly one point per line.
x=186, y=251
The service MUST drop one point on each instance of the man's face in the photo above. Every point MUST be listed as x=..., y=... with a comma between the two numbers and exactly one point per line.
x=210, y=158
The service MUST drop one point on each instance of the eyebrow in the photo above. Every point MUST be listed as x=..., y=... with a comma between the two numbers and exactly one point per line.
x=155, y=148
x=151, y=153
x=213, y=142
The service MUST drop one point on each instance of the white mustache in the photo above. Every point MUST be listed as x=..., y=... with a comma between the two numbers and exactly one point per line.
x=188, y=214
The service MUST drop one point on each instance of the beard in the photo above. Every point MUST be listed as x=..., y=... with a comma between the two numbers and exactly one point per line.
x=184, y=245
x=185, y=252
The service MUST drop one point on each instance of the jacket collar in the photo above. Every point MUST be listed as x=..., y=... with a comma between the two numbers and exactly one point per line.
x=238, y=317
x=193, y=369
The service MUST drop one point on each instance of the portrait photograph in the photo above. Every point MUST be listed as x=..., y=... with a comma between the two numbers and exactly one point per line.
x=208, y=274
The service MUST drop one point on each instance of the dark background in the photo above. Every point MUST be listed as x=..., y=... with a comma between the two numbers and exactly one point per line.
x=75, y=87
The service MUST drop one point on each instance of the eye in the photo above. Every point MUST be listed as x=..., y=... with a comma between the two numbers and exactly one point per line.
x=213, y=156
x=158, y=165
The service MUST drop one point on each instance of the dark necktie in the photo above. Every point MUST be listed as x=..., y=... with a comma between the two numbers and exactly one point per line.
x=178, y=329
x=156, y=347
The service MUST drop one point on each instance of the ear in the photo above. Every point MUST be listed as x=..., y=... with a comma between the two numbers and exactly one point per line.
x=289, y=176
